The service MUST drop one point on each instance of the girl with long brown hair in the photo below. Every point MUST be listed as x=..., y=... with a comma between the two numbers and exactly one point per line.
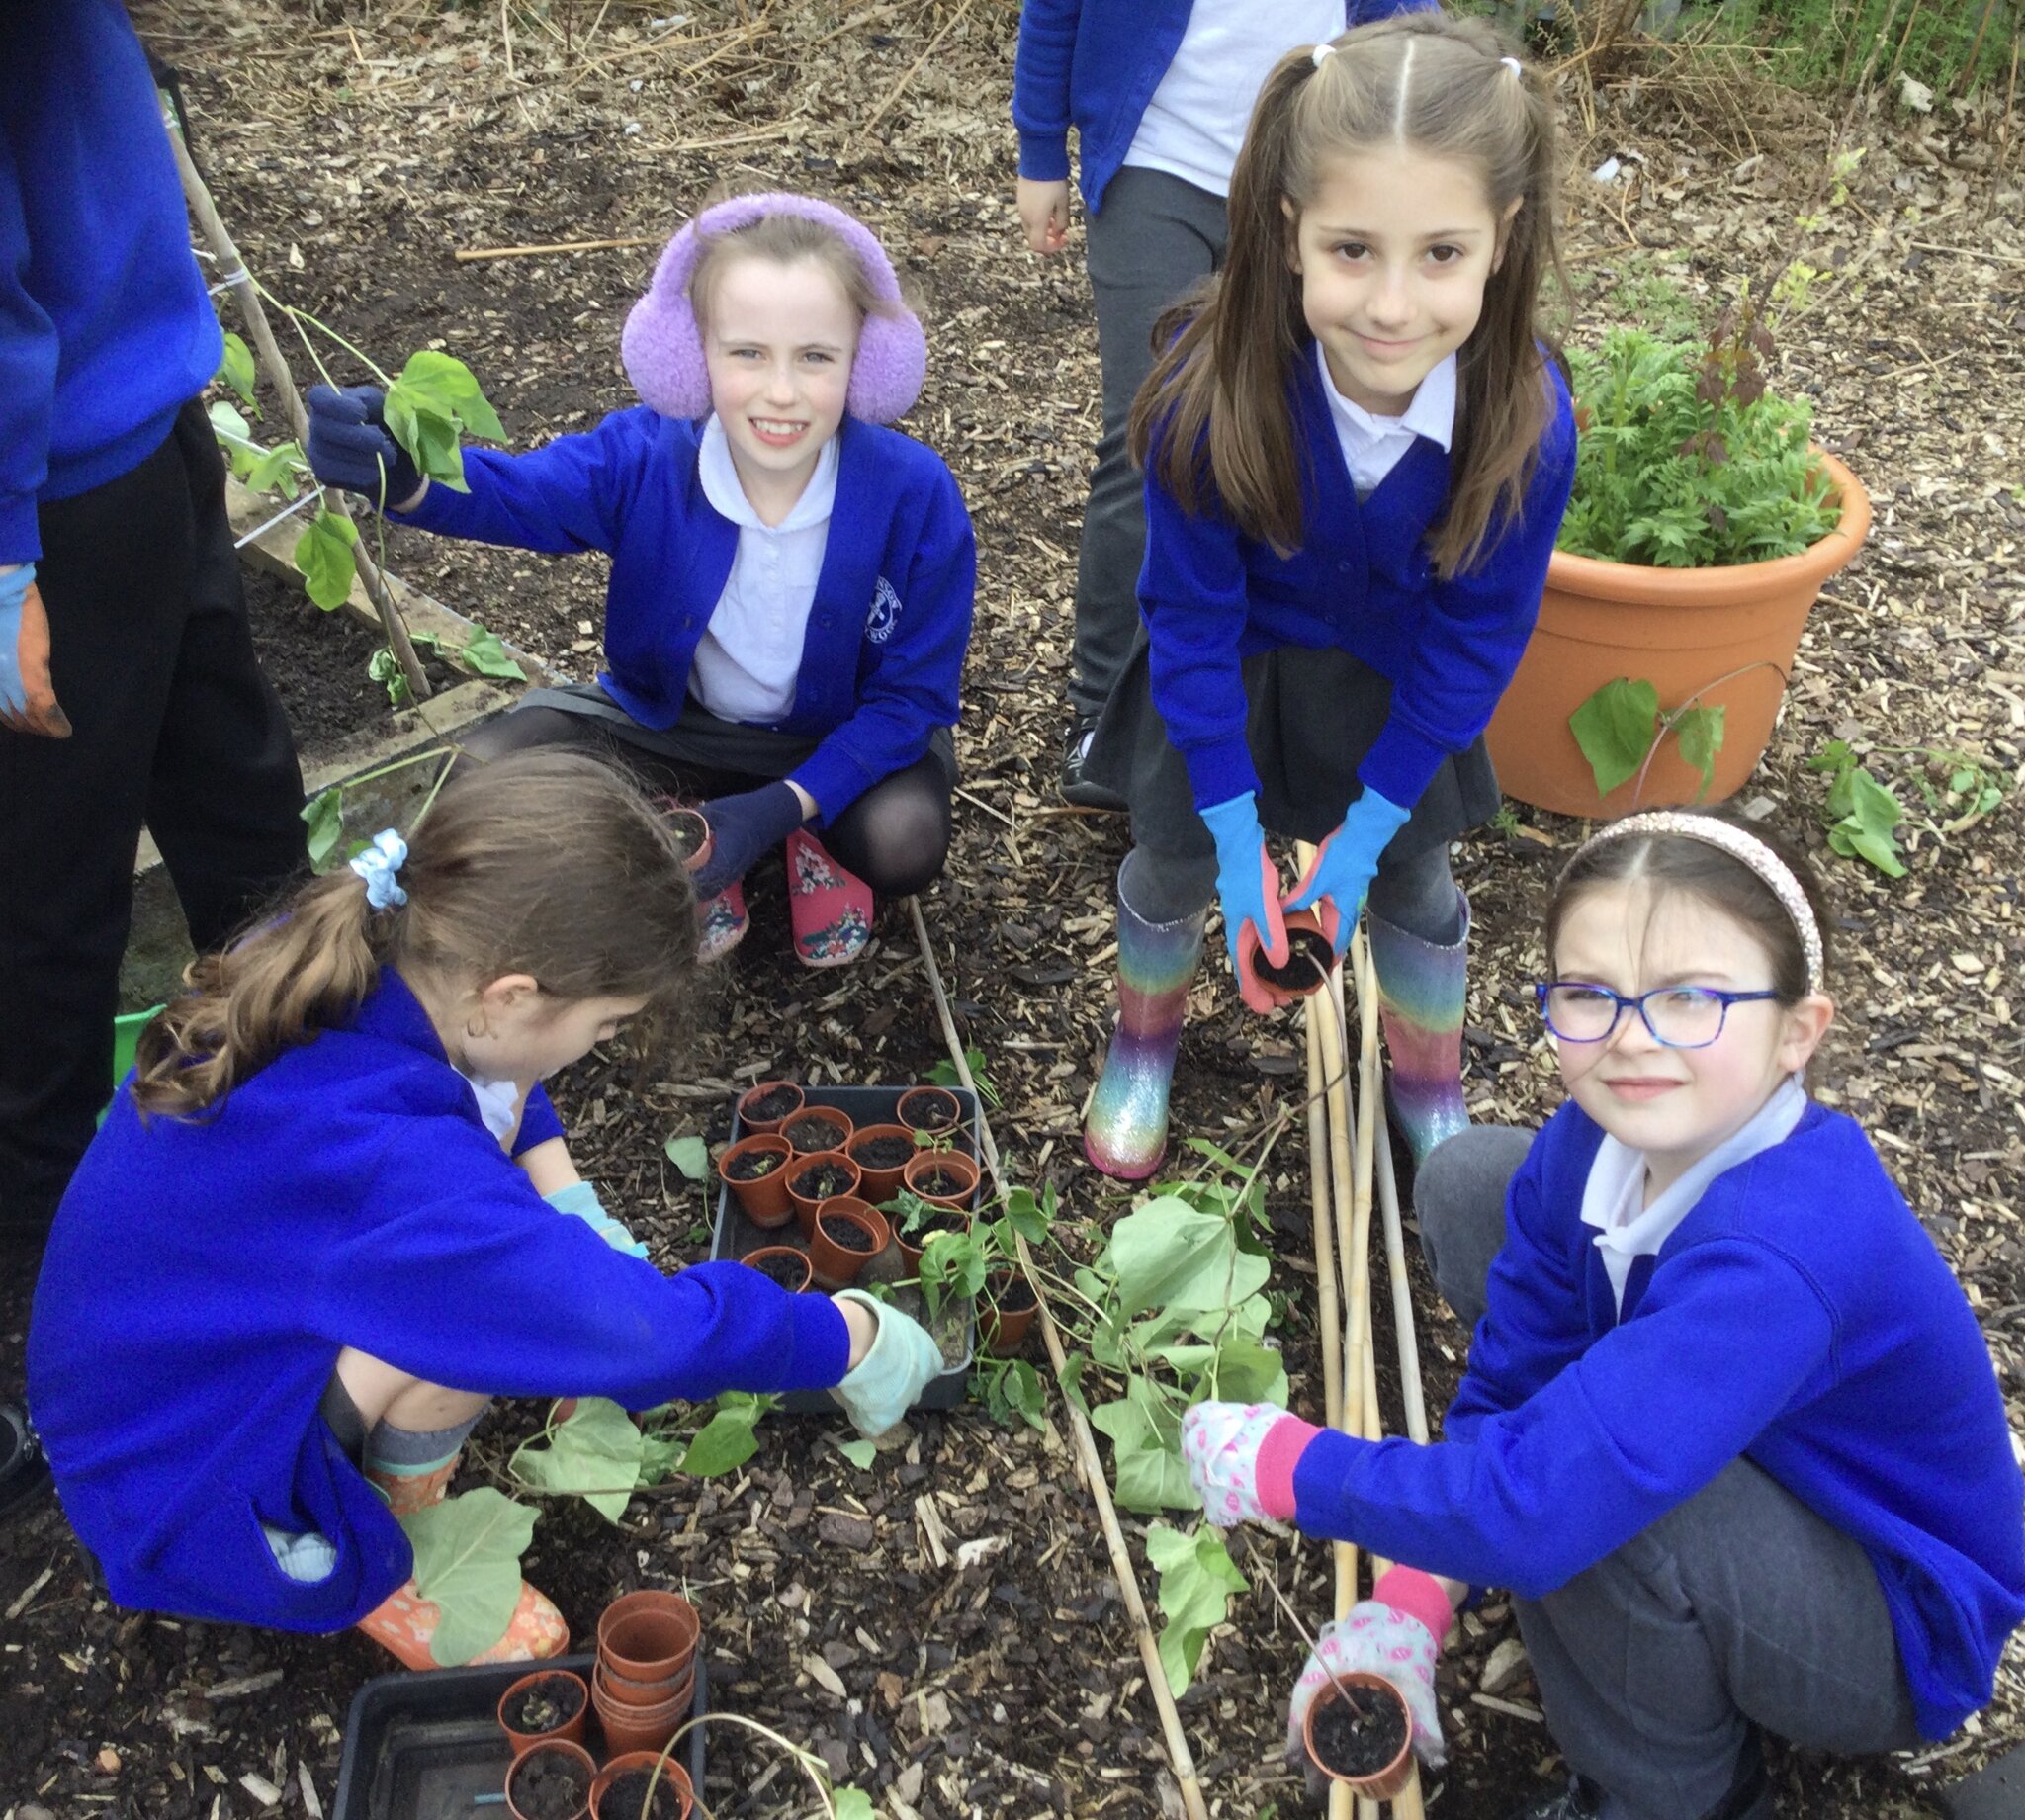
x=332, y=1213
x=1358, y=453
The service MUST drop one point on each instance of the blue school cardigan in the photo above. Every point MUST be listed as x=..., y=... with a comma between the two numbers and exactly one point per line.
x=201, y=1277
x=105, y=328
x=884, y=648
x=1094, y=66
x=1799, y=1317
x=1360, y=582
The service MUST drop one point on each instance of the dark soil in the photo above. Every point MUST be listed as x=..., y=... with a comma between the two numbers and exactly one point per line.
x=750, y=1165
x=776, y=1103
x=317, y=662
x=882, y=1153
x=823, y=1181
x=628, y=1792
x=928, y=1109
x=1013, y=1295
x=944, y=1183
x=1309, y=958
x=810, y=1135
x=845, y=1235
x=943, y=1220
x=1359, y=1731
x=690, y=832
x=547, y=1704
x=550, y=1787
x=783, y=1270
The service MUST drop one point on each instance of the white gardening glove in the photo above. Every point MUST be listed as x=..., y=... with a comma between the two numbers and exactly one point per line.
x=1223, y=1444
x=1386, y=1634
x=897, y=1367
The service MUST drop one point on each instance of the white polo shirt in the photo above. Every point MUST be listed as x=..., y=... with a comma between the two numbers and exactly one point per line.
x=1373, y=446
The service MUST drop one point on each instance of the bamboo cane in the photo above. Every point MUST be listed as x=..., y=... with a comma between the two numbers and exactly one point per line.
x=1088, y=1458
x=239, y=282
x=1328, y=1308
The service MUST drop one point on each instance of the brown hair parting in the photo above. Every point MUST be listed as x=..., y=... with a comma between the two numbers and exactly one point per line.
x=544, y=862
x=1672, y=863
x=1214, y=412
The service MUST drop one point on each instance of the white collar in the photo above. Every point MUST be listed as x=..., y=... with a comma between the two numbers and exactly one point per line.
x=1617, y=1177
x=1432, y=412
x=721, y=486
x=498, y=1103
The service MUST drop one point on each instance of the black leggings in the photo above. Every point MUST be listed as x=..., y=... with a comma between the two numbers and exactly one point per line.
x=895, y=836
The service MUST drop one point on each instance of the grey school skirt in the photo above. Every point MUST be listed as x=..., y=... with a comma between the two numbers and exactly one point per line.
x=1313, y=715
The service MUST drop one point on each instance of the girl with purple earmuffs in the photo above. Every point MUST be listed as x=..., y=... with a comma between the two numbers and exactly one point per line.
x=792, y=582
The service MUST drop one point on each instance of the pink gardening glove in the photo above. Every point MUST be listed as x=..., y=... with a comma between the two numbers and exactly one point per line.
x=1241, y=1458
x=1397, y=1632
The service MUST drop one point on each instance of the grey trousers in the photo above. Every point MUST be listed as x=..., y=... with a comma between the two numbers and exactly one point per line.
x=1739, y=1608
x=1154, y=239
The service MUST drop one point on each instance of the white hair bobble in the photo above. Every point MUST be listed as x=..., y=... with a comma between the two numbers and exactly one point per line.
x=1320, y=52
x=379, y=866
x=1514, y=66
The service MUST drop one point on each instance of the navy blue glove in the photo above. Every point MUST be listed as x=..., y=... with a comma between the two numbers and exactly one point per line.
x=349, y=444
x=744, y=826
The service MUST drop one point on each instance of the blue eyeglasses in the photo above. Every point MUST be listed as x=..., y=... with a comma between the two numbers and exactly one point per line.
x=1679, y=1016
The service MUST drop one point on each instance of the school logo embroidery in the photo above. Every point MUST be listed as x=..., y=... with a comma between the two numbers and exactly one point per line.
x=885, y=613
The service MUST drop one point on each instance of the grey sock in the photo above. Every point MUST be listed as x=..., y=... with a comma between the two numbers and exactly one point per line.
x=408, y=1452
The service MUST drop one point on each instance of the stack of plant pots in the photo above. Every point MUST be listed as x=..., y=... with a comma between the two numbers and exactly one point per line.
x=645, y=1675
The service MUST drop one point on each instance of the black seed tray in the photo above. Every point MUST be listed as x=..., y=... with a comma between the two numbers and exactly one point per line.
x=735, y=1235
x=427, y=1746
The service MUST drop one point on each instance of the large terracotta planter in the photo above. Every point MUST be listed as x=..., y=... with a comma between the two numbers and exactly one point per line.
x=1726, y=637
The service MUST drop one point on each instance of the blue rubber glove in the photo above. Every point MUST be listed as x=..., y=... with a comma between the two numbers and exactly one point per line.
x=349, y=444
x=744, y=826
x=581, y=1198
x=27, y=698
x=901, y=1362
x=1346, y=863
x=1248, y=887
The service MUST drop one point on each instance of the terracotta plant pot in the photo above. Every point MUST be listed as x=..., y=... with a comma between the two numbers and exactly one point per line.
x=641, y=1728
x=613, y=1689
x=1723, y=637
x=1309, y=960
x=550, y=1762
x=834, y=1264
x=762, y=1199
x=817, y=1129
x=648, y=1636
x=951, y=1219
x=879, y=1182
x=750, y=1119
x=1003, y=1329
x=933, y=1111
x=669, y=1773
x=805, y=1205
x=693, y=834
x=791, y=1255
x=925, y=1168
x=1379, y=1784
x=564, y=1691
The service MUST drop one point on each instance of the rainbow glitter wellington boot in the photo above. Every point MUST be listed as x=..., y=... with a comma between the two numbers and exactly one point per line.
x=1126, y=1133
x=1421, y=991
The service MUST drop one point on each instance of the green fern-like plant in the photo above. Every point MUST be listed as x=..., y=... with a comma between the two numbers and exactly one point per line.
x=1685, y=459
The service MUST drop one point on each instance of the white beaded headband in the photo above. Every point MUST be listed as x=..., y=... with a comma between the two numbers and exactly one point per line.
x=1740, y=845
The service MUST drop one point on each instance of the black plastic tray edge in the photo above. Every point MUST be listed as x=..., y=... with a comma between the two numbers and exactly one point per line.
x=953, y=1386
x=448, y=1694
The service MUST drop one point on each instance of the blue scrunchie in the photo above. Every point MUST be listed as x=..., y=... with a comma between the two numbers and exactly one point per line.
x=378, y=866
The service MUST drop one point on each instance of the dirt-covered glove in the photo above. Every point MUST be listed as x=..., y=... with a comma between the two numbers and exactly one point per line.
x=351, y=447
x=1346, y=863
x=27, y=698
x=581, y=1198
x=1397, y=1632
x=1241, y=1458
x=897, y=1367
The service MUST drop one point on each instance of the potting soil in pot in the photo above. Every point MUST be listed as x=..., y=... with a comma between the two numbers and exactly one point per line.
x=753, y=1165
x=621, y=1801
x=941, y=1181
x=932, y=1110
x=846, y=1235
x=1360, y=1731
x=690, y=832
x=550, y=1787
x=823, y=1181
x=1309, y=958
x=811, y=1134
x=549, y=1703
x=1013, y=1296
x=777, y=1104
x=786, y=1271
x=941, y=1221
x=882, y=1153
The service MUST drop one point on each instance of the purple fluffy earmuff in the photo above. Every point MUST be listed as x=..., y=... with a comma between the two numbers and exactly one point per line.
x=662, y=346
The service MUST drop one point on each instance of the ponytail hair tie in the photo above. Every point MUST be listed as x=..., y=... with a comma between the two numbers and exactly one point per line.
x=1514, y=66
x=378, y=865
x=1320, y=52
